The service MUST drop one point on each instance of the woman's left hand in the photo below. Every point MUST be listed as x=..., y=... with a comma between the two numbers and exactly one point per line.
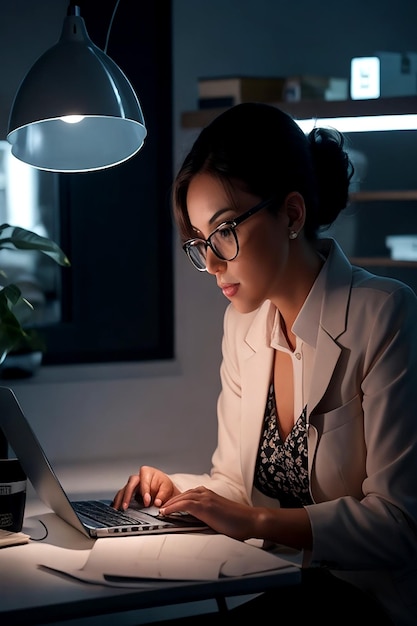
x=222, y=515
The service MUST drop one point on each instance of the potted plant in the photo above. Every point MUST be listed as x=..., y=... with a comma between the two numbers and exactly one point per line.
x=13, y=335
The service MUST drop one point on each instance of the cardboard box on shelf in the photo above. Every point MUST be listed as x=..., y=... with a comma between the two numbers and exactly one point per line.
x=227, y=91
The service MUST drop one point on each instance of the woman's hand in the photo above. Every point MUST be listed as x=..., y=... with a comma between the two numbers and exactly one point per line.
x=236, y=520
x=149, y=486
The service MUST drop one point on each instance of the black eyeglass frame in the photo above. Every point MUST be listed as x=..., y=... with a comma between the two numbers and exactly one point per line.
x=232, y=224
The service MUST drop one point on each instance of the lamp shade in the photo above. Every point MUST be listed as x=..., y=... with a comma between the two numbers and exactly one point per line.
x=75, y=110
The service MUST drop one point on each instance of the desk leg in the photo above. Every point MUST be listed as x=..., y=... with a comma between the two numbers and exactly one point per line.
x=222, y=604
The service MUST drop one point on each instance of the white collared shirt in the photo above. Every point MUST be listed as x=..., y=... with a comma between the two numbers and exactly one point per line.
x=305, y=329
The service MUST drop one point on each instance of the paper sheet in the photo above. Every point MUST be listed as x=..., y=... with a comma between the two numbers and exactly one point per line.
x=130, y=561
x=8, y=538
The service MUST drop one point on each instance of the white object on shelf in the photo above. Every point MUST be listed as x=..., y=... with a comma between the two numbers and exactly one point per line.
x=403, y=247
x=385, y=74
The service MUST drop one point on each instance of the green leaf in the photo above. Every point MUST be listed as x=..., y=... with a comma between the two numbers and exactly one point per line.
x=12, y=335
x=16, y=238
x=11, y=332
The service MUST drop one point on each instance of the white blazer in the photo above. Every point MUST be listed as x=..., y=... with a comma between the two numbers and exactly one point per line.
x=362, y=429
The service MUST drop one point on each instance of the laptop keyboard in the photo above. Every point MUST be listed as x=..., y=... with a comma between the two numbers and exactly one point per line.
x=100, y=512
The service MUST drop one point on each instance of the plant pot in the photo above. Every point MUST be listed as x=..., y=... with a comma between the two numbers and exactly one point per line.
x=12, y=495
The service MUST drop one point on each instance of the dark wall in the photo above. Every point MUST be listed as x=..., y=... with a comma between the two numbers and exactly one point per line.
x=115, y=224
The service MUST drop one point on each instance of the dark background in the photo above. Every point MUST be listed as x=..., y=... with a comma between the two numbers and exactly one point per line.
x=115, y=224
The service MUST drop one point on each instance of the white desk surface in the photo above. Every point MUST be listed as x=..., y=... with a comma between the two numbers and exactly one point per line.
x=32, y=595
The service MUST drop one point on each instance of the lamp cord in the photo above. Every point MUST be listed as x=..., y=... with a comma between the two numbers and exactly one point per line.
x=110, y=25
x=74, y=9
x=45, y=535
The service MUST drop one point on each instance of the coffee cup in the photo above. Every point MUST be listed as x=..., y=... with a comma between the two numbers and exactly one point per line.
x=12, y=495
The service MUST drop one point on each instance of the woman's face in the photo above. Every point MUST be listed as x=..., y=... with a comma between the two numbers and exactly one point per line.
x=261, y=270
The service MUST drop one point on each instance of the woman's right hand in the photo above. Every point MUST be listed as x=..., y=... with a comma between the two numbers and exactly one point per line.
x=149, y=486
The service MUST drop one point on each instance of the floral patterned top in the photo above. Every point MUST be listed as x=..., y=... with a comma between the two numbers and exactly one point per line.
x=281, y=469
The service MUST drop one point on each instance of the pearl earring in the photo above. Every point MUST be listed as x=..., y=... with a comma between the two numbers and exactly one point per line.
x=293, y=234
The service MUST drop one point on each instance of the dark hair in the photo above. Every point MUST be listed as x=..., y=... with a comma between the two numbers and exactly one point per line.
x=264, y=149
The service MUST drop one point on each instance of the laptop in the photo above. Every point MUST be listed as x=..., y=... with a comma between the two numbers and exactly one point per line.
x=93, y=518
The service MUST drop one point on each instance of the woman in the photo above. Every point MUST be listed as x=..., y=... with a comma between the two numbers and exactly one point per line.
x=317, y=428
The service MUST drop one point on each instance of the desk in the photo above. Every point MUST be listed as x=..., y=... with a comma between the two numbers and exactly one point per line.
x=30, y=595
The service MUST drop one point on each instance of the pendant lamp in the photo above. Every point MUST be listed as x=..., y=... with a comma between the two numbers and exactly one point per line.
x=75, y=110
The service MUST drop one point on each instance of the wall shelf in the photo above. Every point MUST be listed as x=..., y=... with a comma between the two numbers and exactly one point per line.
x=399, y=105
x=367, y=261
x=399, y=195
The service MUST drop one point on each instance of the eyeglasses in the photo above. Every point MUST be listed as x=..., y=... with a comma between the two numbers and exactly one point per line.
x=222, y=241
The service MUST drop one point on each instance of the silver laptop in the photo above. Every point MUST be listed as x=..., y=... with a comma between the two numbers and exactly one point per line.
x=94, y=518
